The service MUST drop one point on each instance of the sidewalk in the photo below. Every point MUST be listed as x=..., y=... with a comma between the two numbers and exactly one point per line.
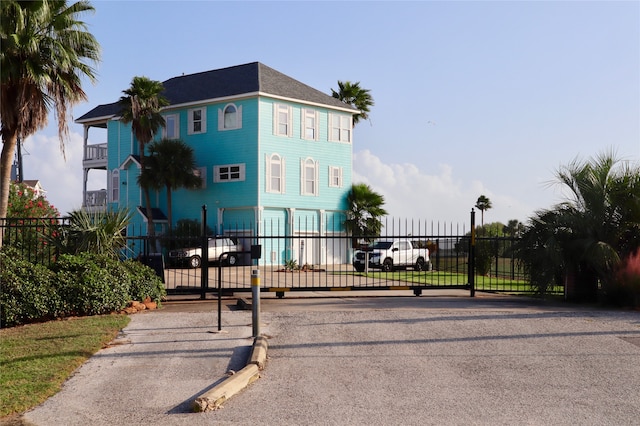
x=155, y=369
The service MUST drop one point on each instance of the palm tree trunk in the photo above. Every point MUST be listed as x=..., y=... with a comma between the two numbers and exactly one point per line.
x=9, y=139
x=169, y=208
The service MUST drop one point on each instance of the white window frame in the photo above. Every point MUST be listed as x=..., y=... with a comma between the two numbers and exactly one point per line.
x=313, y=178
x=229, y=170
x=309, y=114
x=203, y=121
x=201, y=172
x=165, y=132
x=340, y=127
x=335, y=177
x=287, y=120
x=222, y=126
x=114, y=193
x=270, y=161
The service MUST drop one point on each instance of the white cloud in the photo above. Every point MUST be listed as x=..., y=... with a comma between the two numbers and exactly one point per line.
x=413, y=193
x=61, y=179
x=410, y=192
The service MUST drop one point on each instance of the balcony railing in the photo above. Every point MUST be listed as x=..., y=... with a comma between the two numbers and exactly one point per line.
x=95, y=155
x=95, y=200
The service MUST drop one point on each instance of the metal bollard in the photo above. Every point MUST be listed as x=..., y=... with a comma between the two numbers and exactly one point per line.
x=255, y=301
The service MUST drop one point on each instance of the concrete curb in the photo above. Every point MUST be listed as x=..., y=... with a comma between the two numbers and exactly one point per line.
x=213, y=399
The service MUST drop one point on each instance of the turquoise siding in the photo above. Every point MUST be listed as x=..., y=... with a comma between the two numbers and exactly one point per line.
x=294, y=149
x=249, y=146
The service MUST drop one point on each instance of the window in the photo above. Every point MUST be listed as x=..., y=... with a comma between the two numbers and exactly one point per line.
x=309, y=177
x=275, y=168
x=115, y=186
x=172, y=126
x=230, y=117
x=309, y=126
x=229, y=173
x=282, y=120
x=197, y=121
x=335, y=177
x=201, y=172
x=339, y=128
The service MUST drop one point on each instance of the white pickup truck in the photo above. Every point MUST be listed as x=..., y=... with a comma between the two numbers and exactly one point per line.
x=388, y=255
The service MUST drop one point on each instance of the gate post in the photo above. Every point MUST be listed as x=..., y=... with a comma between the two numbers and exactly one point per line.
x=204, y=255
x=472, y=256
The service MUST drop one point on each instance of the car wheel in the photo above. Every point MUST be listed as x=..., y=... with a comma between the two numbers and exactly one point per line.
x=387, y=265
x=195, y=261
x=420, y=265
x=359, y=268
x=232, y=260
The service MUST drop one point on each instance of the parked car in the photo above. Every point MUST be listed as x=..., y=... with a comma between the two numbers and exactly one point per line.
x=192, y=257
x=389, y=255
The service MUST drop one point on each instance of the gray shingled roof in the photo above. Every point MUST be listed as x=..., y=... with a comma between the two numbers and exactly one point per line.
x=227, y=82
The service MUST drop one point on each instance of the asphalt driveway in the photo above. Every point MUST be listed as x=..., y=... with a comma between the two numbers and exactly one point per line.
x=436, y=359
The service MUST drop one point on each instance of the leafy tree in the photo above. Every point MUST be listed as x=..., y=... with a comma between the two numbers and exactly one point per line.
x=46, y=51
x=513, y=228
x=141, y=106
x=363, y=214
x=25, y=203
x=170, y=165
x=354, y=95
x=582, y=240
x=483, y=203
x=28, y=215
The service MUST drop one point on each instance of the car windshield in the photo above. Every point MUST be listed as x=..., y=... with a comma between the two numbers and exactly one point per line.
x=384, y=245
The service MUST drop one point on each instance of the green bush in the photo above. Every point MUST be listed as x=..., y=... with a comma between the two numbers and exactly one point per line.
x=90, y=284
x=144, y=282
x=84, y=284
x=26, y=291
x=484, y=257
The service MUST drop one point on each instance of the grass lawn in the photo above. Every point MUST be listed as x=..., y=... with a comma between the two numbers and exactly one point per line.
x=36, y=359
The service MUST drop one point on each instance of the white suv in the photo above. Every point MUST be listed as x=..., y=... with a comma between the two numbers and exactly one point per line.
x=217, y=246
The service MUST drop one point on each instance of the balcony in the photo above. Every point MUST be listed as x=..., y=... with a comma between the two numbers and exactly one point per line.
x=95, y=156
x=95, y=200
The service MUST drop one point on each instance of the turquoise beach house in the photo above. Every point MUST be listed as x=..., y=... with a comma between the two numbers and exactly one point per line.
x=274, y=155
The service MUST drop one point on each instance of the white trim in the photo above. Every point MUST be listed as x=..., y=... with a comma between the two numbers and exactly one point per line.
x=280, y=108
x=221, y=112
x=304, y=113
x=203, y=121
x=269, y=163
x=303, y=176
x=332, y=172
x=164, y=129
x=241, y=173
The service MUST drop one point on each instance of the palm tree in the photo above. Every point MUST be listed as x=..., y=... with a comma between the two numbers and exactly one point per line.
x=354, y=95
x=483, y=203
x=363, y=214
x=171, y=165
x=141, y=107
x=46, y=51
x=583, y=239
x=513, y=228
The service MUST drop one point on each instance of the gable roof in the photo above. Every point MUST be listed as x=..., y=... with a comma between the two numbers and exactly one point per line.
x=252, y=78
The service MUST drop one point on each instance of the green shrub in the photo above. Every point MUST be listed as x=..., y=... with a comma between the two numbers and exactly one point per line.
x=26, y=290
x=484, y=257
x=144, y=282
x=91, y=284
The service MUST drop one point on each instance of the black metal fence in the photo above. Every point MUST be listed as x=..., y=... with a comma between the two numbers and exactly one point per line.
x=305, y=257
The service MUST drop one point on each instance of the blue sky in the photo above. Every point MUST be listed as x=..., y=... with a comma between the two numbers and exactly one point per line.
x=470, y=98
